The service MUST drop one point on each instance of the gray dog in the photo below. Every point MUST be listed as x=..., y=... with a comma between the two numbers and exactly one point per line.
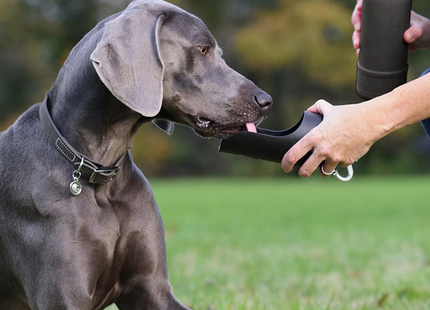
x=76, y=231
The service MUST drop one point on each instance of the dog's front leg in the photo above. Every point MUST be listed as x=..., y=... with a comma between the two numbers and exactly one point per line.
x=149, y=290
x=144, y=278
x=149, y=294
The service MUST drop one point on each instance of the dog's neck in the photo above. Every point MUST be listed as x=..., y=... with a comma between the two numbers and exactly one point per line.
x=85, y=112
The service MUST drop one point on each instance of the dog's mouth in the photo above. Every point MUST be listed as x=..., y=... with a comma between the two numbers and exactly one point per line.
x=210, y=128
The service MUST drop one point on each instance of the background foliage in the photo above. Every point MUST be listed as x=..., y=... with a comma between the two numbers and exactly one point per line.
x=297, y=50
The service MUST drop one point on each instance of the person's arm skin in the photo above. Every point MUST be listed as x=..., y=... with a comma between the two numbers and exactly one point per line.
x=348, y=131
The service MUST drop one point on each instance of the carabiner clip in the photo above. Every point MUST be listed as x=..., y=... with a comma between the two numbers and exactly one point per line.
x=342, y=178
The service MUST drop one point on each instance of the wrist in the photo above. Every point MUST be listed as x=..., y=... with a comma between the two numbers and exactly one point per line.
x=384, y=114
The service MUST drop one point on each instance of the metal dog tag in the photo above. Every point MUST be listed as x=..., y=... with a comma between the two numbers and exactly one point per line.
x=75, y=188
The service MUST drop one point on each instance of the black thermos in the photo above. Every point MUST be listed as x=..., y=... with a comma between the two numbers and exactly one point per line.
x=383, y=61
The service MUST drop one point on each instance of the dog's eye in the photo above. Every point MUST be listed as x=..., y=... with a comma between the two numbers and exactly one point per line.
x=204, y=50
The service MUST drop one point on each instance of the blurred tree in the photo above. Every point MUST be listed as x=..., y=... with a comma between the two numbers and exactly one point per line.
x=314, y=34
x=35, y=39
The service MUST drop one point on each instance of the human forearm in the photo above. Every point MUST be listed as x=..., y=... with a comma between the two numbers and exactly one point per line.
x=405, y=105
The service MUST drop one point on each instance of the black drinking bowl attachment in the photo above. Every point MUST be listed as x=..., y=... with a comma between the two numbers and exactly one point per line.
x=268, y=144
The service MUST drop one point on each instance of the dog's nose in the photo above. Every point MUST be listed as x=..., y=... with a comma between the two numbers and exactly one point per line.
x=263, y=99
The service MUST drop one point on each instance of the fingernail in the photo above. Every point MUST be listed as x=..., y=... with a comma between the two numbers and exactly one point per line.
x=409, y=37
x=356, y=42
x=304, y=174
x=286, y=169
x=357, y=26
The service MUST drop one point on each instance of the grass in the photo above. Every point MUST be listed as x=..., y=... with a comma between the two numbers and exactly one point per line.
x=298, y=244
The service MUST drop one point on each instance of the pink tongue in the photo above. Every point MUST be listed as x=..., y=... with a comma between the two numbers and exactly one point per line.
x=251, y=127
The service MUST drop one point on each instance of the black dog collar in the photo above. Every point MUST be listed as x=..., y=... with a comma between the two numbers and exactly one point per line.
x=96, y=173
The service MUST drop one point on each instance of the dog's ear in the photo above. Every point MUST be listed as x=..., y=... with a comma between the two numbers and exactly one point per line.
x=164, y=125
x=128, y=61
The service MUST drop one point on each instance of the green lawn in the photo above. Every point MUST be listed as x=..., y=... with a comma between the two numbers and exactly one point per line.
x=298, y=244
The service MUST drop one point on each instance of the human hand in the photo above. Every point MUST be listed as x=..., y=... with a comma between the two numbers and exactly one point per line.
x=356, y=23
x=343, y=137
x=417, y=36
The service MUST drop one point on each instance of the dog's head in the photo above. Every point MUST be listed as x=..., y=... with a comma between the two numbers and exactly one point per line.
x=164, y=63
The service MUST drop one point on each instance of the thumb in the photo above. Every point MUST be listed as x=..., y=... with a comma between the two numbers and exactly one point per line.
x=319, y=107
x=412, y=34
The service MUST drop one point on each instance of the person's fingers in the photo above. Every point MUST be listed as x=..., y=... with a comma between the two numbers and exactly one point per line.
x=412, y=34
x=356, y=15
x=326, y=169
x=310, y=165
x=356, y=22
x=300, y=149
x=356, y=39
x=320, y=107
x=305, y=145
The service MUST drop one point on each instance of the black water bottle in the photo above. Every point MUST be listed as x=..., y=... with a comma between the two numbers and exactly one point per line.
x=383, y=61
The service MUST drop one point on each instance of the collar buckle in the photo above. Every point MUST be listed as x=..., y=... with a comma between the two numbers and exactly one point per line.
x=103, y=176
